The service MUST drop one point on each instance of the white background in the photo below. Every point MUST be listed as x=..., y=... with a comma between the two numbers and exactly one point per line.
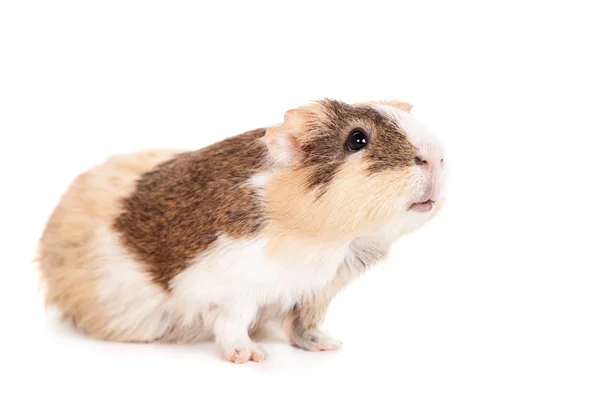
x=497, y=298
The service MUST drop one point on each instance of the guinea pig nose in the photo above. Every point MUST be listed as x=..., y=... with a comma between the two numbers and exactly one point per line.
x=420, y=161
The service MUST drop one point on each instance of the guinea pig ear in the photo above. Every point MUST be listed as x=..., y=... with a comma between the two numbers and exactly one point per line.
x=283, y=140
x=396, y=104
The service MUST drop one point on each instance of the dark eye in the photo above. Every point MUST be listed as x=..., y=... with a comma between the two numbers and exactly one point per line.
x=357, y=140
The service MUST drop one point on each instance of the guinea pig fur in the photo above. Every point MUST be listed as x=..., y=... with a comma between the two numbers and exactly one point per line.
x=259, y=230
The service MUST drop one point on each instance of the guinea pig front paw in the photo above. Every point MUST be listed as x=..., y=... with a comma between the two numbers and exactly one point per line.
x=241, y=353
x=316, y=341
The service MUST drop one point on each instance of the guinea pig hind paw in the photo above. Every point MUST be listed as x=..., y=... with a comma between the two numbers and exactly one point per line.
x=318, y=341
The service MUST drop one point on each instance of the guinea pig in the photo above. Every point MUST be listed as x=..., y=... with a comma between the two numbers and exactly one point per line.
x=260, y=229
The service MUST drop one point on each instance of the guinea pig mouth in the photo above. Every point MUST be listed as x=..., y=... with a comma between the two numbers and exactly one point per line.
x=422, y=207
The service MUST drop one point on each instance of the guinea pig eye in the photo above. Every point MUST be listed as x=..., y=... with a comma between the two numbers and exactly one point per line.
x=357, y=140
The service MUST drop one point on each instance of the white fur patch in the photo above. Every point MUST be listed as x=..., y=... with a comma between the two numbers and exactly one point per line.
x=135, y=306
x=237, y=273
x=259, y=181
x=425, y=142
x=428, y=147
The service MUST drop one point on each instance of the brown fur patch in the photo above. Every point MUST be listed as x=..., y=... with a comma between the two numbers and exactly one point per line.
x=179, y=209
x=392, y=151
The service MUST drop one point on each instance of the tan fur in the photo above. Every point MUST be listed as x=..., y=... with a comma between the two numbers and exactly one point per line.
x=288, y=136
x=397, y=104
x=67, y=261
x=294, y=210
x=296, y=119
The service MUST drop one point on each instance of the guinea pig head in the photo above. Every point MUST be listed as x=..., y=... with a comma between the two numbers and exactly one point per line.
x=353, y=169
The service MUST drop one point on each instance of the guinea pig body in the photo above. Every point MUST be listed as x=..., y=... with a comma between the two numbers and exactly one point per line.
x=260, y=230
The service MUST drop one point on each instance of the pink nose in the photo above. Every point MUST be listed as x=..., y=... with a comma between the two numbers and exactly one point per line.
x=426, y=161
x=434, y=170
